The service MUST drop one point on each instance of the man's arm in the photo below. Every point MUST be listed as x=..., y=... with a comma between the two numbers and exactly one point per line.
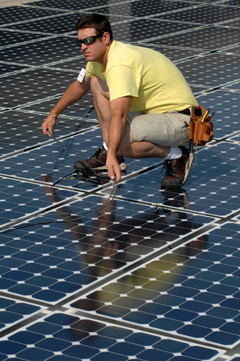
x=119, y=111
x=73, y=93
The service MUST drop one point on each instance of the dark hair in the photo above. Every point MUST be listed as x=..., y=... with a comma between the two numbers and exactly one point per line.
x=99, y=22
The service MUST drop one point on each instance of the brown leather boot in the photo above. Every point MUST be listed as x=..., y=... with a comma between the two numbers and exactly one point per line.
x=97, y=162
x=177, y=170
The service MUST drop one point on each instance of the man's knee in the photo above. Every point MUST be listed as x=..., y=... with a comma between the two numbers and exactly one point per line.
x=98, y=87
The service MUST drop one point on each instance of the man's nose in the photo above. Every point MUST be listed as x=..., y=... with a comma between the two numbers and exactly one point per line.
x=83, y=46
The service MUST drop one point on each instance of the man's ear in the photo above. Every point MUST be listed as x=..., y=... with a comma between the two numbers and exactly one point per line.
x=106, y=38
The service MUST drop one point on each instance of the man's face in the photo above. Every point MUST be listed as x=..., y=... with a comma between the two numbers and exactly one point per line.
x=95, y=51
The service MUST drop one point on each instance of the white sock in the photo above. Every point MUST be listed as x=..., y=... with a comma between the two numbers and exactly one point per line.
x=105, y=146
x=175, y=153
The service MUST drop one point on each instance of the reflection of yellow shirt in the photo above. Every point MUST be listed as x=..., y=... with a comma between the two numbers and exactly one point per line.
x=155, y=84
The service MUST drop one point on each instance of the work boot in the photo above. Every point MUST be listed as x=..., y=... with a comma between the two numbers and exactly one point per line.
x=177, y=170
x=97, y=162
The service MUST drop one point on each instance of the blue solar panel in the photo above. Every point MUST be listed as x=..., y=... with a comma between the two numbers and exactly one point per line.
x=235, y=358
x=73, y=337
x=209, y=12
x=57, y=254
x=226, y=37
x=226, y=117
x=69, y=4
x=235, y=139
x=13, y=14
x=192, y=291
x=139, y=8
x=93, y=272
x=47, y=51
x=80, y=109
x=16, y=123
x=209, y=78
x=234, y=86
x=12, y=95
x=22, y=199
x=15, y=311
x=212, y=188
x=56, y=161
x=7, y=39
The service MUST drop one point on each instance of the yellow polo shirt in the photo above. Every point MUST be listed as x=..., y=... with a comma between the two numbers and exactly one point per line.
x=155, y=84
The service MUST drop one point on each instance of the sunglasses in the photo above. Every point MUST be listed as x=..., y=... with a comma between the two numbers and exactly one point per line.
x=89, y=40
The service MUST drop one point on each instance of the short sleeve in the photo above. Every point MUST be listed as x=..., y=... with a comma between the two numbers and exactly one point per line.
x=123, y=81
x=90, y=70
x=95, y=69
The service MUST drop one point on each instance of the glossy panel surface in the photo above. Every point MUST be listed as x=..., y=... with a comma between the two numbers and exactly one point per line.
x=65, y=337
x=57, y=254
x=191, y=291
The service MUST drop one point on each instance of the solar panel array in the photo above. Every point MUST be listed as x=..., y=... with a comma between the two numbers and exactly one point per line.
x=134, y=272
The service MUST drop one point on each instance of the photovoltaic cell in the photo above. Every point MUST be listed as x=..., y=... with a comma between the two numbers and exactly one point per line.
x=63, y=251
x=238, y=218
x=232, y=2
x=176, y=54
x=232, y=49
x=60, y=24
x=72, y=336
x=56, y=161
x=13, y=312
x=211, y=70
x=235, y=358
x=17, y=89
x=225, y=119
x=12, y=14
x=82, y=108
x=192, y=291
x=137, y=261
x=235, y=139
x=69, y=4
x=217, y=37
x=212, y=187
x=8, y=68
x=141, y=8
x=20, y=199
x=74, y=63
x=139, y=30
x=49, y=49
x=21, y=130
x=7, y=38
x=210, y=13
x=235, y=86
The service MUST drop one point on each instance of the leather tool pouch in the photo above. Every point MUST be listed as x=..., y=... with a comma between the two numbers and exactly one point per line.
x=200, y=126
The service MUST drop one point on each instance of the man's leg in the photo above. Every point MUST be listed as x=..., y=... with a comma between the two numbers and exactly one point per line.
x=101, y=102
x=177, y=165
x=133, y=149
x=142, y=149
x=97, y=162
x=170, y=129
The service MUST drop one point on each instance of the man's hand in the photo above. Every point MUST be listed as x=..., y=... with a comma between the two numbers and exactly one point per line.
x=73, y=93
x=48, y=125
x=113, y=167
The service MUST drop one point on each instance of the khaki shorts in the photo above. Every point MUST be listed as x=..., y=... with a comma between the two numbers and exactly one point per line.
x=163, y=129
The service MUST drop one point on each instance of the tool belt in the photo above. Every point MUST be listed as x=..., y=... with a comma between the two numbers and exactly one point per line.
x=200, y=126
